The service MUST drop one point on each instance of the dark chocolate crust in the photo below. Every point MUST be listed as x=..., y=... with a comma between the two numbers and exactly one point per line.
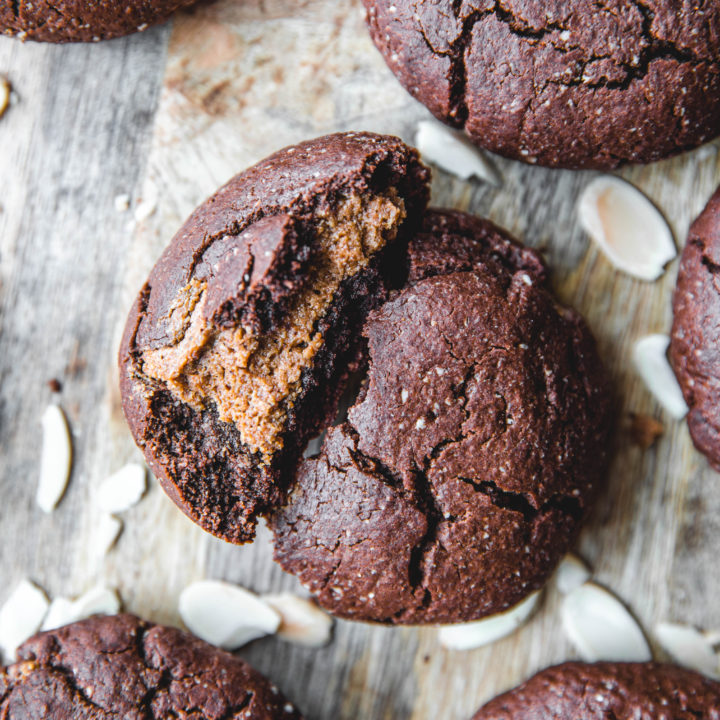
x=248, y=242
x=82, y=20
x=695, y=340
x=609, y=690
x=575, y=84
x=122, y=667
x=464, y=470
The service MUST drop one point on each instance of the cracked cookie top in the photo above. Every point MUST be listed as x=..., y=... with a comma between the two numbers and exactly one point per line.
x=581, y=691
x=480, y=436
x=575, y=84
x=694, y=349
x=82, y=20
x=122, y=667
x=238, y=345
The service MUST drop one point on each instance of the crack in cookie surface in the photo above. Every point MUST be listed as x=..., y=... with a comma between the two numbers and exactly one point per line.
x=122, y=667
x=240, y=343
x=470, y=459
x=573, y=84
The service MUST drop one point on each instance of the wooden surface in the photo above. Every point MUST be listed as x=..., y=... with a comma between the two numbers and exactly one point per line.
x=183, y=108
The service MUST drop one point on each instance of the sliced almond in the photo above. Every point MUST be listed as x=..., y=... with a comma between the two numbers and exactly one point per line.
x=454, y=153
x=21, y=617
x=650, y=358
x=147, y=203
x=706, y=152
x=629, y=229
x=302, y=621
x=59, y=613
x=572, y=572
x=55, y=458
x=689, y=647
x=466, y=636
x=5, y=90
x=226, y=615
x=108, y=530
x=601, y=627
x=97, y=601
x=124, y=489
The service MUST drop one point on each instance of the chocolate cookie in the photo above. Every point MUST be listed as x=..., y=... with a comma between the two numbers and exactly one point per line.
x=82, y=20
x=122, y=667
x=474, y=451
x=609, y=690
x=694, y=346
x=235, y=351
x=575, y=84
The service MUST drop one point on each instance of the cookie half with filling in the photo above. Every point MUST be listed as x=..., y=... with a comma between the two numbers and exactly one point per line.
x=238, y=346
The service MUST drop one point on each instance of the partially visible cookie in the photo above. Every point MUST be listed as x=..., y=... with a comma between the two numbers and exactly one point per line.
x=82, y=20
x=478, y=443
x=609, y=690
x=119, y=666
x=563, y=83
x=695, y=342
x=237, y=347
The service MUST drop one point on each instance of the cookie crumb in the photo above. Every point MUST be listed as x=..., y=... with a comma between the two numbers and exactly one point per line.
x=55, y=385
x=5, y=91
x=644, y=430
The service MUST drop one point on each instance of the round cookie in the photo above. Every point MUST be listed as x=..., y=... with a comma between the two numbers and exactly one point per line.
x=236, y=349
x=122, y=667
x=694, y=348
x=480, y=437
x=575, y=84
x=609, y=690
x=82, y=20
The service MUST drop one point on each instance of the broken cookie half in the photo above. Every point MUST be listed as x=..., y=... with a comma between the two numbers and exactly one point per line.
x=474, y=451
x=239, y=344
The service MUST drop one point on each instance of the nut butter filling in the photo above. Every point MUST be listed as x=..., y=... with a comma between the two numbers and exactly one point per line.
x=254, y=379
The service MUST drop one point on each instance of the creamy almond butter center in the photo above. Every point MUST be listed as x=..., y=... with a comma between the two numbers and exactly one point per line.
x=253, y=379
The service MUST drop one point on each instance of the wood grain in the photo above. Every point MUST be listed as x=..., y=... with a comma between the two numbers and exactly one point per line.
x=237, y=81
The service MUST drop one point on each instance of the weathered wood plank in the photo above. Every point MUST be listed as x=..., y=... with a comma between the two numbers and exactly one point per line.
x=76, y=137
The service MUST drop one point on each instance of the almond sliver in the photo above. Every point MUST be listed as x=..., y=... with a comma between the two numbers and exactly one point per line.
x=454, y=153
x=226, y=615
x=470, y=635
x=303, y=622
x=650, y=358
x=601, y=627
x=627, y=227
x=21, y=617
x=689, y=647
x=123, y=489
x=55, y=458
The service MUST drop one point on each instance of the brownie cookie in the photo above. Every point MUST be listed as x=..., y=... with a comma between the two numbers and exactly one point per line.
x=235, y=351
x=575, y=84
x=609, y=690
x=82, y=20
x=694, y=345
x=122, y=667
x=465, y=468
